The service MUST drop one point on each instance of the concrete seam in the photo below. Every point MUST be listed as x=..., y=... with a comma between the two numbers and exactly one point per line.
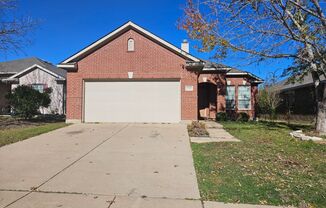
x=78, y=159
x=68, y=166
x=95, y=194
x=112, y=201
x=18, y=199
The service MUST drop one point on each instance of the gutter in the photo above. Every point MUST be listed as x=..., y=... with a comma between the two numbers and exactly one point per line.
x=11, y=80
x=68, y=66
x=8, y=72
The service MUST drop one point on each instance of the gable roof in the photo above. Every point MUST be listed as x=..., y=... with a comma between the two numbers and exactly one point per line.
x=306, y=81
x=230, y=71
x=238, y=72
x=129, y=25
x=70, y=62
x=20, y=65
x=35, y=66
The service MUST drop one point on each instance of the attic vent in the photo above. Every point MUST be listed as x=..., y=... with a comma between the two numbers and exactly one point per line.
x=131, y=44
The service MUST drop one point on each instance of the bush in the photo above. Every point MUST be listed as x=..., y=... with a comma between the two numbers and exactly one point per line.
x=25, y=101
x=197, y=129
x=244, y=117
x=221, y=116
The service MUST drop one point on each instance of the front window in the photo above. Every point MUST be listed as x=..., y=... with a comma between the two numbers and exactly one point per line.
x=244, y=98
x=230, y=97
x=38, y=87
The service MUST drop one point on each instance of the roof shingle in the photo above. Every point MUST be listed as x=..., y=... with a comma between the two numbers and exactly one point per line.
x=19, y=65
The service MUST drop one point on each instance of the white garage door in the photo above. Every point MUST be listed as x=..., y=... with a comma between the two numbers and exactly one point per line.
x=132, y=101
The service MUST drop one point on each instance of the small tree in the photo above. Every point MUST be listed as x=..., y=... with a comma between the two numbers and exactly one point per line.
x=26, y=101
x=268, y=100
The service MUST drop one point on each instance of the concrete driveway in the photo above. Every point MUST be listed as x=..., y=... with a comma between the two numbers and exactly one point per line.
x=101, y=165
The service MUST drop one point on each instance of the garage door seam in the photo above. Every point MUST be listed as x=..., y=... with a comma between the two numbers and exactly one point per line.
x=68, y=166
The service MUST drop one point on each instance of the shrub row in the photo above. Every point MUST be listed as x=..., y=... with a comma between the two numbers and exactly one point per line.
x=223, y=116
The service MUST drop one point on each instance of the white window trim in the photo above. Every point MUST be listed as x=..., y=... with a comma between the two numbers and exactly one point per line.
x=235, y=104
x=39, y=84
x=249, y=108
x=131, y=48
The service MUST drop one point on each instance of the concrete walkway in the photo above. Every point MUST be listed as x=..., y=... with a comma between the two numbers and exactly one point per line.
x=216, y=134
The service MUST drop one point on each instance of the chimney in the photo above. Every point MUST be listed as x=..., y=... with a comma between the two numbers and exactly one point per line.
x=185, y=46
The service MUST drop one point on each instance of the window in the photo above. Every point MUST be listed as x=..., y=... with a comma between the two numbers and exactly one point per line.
x=38, y=87
x=131, y=44
x=244, y=97
x=230, y=97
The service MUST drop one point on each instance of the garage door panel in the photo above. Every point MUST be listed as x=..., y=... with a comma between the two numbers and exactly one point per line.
x=132, y=101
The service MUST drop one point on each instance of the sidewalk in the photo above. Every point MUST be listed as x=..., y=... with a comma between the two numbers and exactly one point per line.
x=216, y=134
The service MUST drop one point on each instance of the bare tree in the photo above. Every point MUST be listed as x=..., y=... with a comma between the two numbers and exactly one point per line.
x=268, y=97
x=264, y=29
x=14, y=30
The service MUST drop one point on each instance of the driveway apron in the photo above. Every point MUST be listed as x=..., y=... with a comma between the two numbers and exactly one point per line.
x=100, y=165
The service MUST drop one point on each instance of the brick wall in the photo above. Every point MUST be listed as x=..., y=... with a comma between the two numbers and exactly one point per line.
x=238, y=81
x=220, y=80
x=148, y=61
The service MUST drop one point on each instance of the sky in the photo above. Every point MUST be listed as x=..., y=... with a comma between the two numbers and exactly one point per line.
x=67, y=26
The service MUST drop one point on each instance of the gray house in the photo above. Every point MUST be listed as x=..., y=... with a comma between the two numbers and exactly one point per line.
x=39, y=75
x=298, y=97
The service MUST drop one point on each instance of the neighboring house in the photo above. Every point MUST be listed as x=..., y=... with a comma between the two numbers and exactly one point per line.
x=298, y=97
x=39, y=75
x=131, y=75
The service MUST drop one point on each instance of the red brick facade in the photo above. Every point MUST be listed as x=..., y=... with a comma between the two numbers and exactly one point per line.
x=149, y=61
x=216, y=95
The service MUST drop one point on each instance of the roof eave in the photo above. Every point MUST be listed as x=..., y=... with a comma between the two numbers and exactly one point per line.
x=11, y=80
x=258, y=80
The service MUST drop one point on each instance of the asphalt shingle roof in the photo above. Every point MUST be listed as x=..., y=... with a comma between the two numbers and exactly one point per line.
x=306, y=81
x=19, y=65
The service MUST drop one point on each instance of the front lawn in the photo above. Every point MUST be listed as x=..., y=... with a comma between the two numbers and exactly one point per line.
x=14, y=130
x=267, y=167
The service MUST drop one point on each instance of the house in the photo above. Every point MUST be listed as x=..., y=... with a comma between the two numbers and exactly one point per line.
x=131, y=75
x=39, y=75
x=299, y=96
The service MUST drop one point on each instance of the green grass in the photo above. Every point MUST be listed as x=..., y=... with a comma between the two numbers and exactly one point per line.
x=8, y=136
x=267, y=167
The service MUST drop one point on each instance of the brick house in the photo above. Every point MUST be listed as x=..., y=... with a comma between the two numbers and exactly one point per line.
x=131, y=75
x=298, y=97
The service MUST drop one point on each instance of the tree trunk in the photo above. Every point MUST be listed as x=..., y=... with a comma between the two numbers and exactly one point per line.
x=321, y=112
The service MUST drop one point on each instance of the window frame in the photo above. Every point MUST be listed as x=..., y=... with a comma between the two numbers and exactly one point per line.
x=38, y=84
x=133, y=45
x=226, y=98
x=238, y=98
